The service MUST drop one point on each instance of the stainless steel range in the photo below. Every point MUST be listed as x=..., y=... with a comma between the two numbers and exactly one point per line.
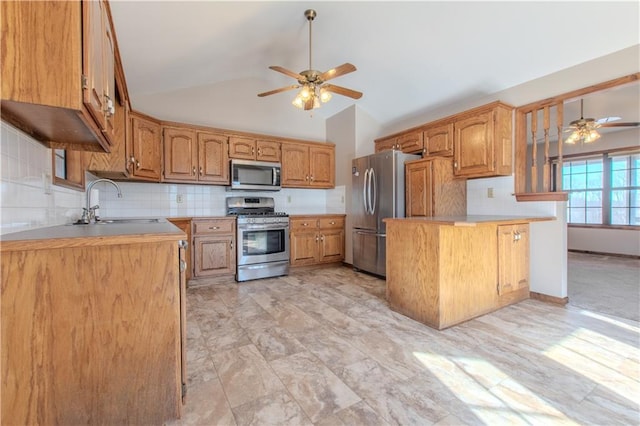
x=263, y=238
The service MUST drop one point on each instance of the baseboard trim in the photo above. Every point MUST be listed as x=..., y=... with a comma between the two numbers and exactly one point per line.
x=631, y=256
x=549, y=299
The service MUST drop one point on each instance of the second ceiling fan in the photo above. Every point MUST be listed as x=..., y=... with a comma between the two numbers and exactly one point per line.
x=314, y=88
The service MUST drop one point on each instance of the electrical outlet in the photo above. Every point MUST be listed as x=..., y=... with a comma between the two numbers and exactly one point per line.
x=288, y=198
x=489, y=192
x=46, y=182
x=179, y=198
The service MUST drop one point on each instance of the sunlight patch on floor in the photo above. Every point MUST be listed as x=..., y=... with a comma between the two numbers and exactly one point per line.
x=492, y=395
x=611, y=321
x=597, y=357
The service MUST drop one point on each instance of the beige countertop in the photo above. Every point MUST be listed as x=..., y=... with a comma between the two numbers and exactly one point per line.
x=471, y=220
x=90, y=235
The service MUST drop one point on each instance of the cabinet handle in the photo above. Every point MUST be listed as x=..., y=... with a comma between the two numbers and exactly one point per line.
x=194, y=170
x=455, y=164
x=306, y=177
x=321, y=237
x=109, y=108
x=332, y=223
x=305, y=224
x=317, y=238
x=253, y=151
x=231, y=244
x=516, y=236
x=259, y=153
x=214, y=227
x=183, y=266
x=311, y=178
x=138, y=164
x=201, y=171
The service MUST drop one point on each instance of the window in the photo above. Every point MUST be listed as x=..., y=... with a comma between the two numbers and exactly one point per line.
x=603, y=190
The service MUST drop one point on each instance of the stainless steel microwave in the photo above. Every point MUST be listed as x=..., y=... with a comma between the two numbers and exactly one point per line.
x=255, y=175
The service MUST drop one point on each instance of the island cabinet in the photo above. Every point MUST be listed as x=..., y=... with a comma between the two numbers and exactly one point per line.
x=57, y=62
x=194, y=156
x=146, y=148
x=483, y=141
x=432, y=190
x=92, y=326
x=442, y=271
x=247, y=148
x=308, y=165
x=214, y=247
x=316, y=239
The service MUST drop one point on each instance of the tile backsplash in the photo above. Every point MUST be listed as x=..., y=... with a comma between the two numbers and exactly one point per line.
x=28, y=200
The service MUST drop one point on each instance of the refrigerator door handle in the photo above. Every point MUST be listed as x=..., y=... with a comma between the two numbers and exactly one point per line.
x=373, y=234
x=369, y=192
x=374, y=190
x=364, y=191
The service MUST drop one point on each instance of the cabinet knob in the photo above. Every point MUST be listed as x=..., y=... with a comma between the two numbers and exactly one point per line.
x=194, y=170
x=259, y=153
x=214, y=227
x=455, y=164
x=109, y=108
x=183, y=266
x=231, y=244
x=306, y=177
x=201, y=171
x=317, y=238
x=332, y=222
x=305, y=224
x=321, y=237
x=137, y=164
x=311, y=178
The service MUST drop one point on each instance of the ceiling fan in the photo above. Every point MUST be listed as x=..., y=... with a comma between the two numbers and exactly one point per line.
x=585, y=129
x=313, y=83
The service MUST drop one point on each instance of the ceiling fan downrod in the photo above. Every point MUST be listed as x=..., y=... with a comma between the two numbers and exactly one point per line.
x=310, y=14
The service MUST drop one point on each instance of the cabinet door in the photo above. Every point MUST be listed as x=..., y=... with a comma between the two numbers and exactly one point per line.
x=419, y=196
x=331, y=245
x=474, y=150
x=180, y=154
x=212, y=158
x=411, y=142
x=145, y=144
x=438, y=140
x=214, y=255
x=243, y=148
x=93, y=60
x=513, y=258
x=304, y=247
x=109, y=78
x=295, y=165
x=386, y=144
x=268, y=151
x=322, y=167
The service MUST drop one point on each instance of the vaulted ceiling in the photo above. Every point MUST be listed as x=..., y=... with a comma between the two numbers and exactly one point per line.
x=204, y=62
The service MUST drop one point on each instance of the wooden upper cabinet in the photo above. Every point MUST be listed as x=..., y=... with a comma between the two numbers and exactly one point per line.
x=411, y=142
x=322, y=167
x=57, y=71
x=213, y=161
x=432, y=190
x=146, y=143
x=483, y=142
x=247, y=148
x=180, y=154
x=308, y=165
x=386, y=144
x=438, y=140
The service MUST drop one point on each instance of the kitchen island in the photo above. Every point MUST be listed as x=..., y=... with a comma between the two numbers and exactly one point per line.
x=92, y=324
x=442, y=271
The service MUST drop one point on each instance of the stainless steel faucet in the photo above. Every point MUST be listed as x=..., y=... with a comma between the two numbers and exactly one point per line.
x=89, y=212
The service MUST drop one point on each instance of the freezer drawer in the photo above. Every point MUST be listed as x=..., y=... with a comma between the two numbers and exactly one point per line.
x=369, y=252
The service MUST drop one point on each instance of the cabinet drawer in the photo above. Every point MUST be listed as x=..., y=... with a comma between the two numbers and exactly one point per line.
x=213, y=226
x=331, y=222
x=301, y=224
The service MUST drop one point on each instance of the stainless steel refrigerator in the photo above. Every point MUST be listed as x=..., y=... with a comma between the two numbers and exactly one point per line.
x=377, y=193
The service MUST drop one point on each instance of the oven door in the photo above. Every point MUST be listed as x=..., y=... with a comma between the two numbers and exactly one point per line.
x=262, y=243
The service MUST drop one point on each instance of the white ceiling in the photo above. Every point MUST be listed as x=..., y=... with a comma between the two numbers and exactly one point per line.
x=205, y=62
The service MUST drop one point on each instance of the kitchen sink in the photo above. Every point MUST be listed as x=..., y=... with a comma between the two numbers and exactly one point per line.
x=133, y=220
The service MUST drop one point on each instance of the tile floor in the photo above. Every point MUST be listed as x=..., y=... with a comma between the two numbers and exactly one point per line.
x=321, y=347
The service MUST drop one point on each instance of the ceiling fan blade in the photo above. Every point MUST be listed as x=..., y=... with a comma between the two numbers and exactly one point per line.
x=282, y=89
x=342, y=91
x=631, y=124
x=337, y=71
x=607, y=120
x=287, y=72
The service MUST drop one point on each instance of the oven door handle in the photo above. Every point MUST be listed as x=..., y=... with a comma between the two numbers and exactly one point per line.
x=253, y=227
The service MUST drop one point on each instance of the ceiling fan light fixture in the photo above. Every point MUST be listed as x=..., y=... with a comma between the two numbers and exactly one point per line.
x=298, y=102
x=325, y=95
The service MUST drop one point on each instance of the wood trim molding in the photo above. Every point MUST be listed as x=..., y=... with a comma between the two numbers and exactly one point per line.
x=549, y=299
x=542, y=196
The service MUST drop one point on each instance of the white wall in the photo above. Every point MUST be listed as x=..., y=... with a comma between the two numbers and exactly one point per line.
x=618, y=241
x=28, y=200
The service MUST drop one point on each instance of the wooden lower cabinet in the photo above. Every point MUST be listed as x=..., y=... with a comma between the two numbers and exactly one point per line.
x=442, y=274
x=91, y=331
x=316, y=239
x=432, y=190
x=214, y=247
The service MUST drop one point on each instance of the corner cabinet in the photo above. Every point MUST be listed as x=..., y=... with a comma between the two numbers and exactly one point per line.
x=483, y=141
x=308, y=165
x=316, y=239
x=146, y=145
x=57, y=67
x=214, y=247
x=432, y=190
